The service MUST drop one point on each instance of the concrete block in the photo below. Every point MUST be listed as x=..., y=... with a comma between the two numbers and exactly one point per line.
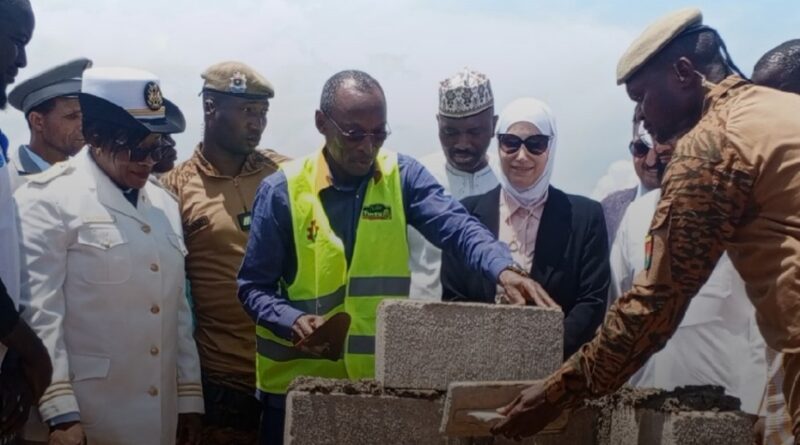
x=465, y=399
x=701, y=415
x=695, y=428
x=427, y=345
x=336, y=412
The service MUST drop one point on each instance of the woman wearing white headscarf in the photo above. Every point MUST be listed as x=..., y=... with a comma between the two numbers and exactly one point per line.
x=560, y=238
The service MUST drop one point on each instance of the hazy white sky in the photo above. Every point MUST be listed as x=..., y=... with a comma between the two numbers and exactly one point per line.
x=564, y=53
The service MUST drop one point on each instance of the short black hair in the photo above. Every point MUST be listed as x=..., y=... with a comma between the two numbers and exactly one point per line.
x=705, y=49
x=111, y=136
x=359, y=80
x=779, y=68
x=43, y=108
x=15, y=6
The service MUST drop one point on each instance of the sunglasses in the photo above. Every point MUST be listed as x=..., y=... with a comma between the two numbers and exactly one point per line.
x=536, y=144
x=162, y=149
x=642, y=145
x=355, y=136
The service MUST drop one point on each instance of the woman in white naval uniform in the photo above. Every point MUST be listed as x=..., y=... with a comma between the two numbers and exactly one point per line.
x=104, y=266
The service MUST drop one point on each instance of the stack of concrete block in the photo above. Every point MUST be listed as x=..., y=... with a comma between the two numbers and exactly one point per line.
x=421, y=347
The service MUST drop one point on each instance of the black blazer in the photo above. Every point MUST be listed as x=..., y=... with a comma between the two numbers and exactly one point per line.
x=570, y=261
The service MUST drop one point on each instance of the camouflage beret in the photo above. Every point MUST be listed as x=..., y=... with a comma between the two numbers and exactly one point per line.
x=655, y=38
x=237, y=79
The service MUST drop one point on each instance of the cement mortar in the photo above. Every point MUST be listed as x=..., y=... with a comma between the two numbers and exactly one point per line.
x=317, y=385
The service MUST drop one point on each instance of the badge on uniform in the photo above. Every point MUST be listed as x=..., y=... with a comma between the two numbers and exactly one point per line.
x=244, y=220
x=648, y=251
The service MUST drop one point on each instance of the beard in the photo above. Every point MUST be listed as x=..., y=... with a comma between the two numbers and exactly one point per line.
x=3, y=96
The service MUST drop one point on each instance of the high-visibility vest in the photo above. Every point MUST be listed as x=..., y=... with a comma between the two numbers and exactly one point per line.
x=324, y=285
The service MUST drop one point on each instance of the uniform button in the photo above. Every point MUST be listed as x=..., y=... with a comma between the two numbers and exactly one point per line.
x=154, y=351
x=153, y=391
x=155, y=309
x=154, y=267
x=146, y=228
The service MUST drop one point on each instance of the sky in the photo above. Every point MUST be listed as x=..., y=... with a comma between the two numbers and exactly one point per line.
x=562, y=52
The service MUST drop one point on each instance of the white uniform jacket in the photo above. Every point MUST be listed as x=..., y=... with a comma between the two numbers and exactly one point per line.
x=104, y=289
x=717, y=342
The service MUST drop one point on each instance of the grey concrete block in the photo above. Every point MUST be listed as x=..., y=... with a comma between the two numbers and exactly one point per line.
x=351, y=416
x=686, y=416
x=430, y=344
x=695, y=428
x=580, y=430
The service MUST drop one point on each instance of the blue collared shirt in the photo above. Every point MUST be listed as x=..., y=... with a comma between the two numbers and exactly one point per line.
x=270, y=254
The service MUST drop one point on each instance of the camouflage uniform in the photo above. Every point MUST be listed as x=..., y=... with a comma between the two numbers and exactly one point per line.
x=211, y=206
x=733, y=184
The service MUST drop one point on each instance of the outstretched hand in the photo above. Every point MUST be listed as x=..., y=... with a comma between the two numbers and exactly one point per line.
x=520, y=290
x=528, y=414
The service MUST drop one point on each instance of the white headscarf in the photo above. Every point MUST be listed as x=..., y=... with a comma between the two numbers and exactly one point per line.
x=528, y=109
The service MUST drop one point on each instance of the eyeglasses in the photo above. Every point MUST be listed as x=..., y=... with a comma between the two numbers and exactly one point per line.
x=163, y=146
x=643, y=143
x=359, y=135
x=536, y=144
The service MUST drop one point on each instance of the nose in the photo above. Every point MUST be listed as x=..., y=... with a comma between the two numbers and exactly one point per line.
x=463, y=141
x=651, y=158
x=22, y=57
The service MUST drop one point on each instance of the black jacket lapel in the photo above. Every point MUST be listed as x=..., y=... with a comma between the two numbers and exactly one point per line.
x=553, y=236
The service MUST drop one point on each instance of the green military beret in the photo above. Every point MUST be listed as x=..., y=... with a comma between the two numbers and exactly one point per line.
x=237, y=79
x=655, y=38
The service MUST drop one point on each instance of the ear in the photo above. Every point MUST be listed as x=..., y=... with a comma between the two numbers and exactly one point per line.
x=494, y=123
x=320, y=122
x=36, y=121
x=685, y=72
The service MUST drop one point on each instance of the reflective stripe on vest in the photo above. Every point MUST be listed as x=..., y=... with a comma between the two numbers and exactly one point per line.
x=324, y=285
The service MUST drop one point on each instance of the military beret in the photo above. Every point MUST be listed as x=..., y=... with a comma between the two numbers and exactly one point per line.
x=237, y=79
x=655, y=38
x=63, y=80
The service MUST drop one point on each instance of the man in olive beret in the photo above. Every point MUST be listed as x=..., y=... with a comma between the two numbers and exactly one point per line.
x=216, y=188
x=732, y=185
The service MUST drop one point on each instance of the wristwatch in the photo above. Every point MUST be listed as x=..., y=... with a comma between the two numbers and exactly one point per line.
x=517, y=268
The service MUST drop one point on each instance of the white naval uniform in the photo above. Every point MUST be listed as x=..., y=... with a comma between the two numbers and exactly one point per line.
x=105, y=292
x=717, y=342
x=425, y=259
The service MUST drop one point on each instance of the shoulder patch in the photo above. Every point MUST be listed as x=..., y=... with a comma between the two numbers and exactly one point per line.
x=51, y=173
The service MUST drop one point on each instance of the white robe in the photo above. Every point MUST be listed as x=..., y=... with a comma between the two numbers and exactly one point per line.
x=425, y=259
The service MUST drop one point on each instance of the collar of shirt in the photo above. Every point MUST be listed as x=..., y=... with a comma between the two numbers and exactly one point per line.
x=720, y=90
x=325, y=178
x=41, y=163
x=641, y=191
x=486, y=170
x=515, y=206
x=254, y=163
